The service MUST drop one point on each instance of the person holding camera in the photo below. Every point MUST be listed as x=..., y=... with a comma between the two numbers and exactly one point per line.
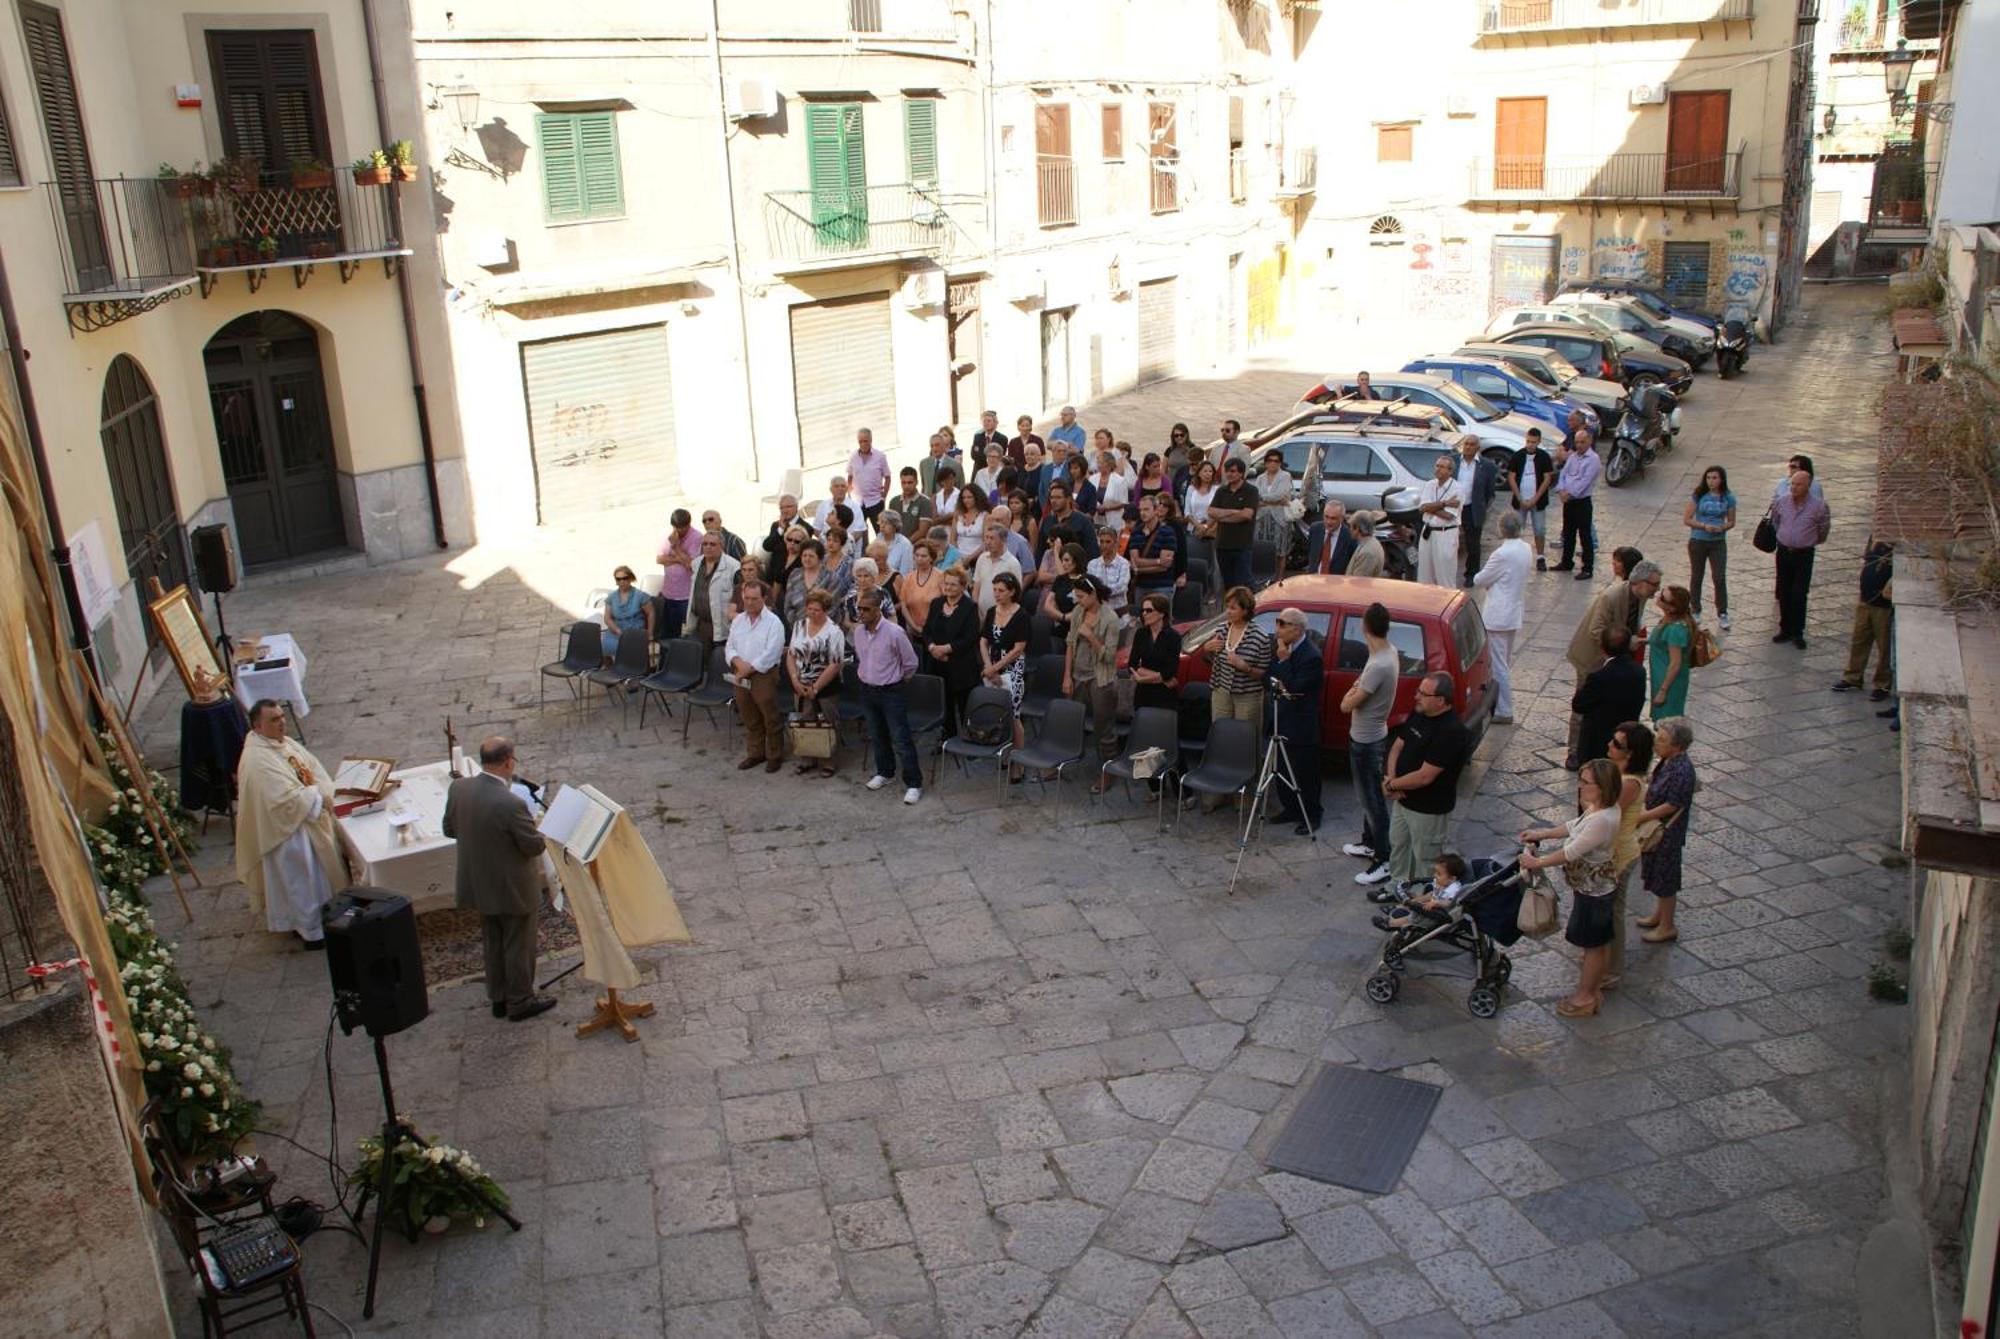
x=1296, y=677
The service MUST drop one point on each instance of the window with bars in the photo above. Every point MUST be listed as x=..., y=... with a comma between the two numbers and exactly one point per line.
x=580, y=173
x=268, y=96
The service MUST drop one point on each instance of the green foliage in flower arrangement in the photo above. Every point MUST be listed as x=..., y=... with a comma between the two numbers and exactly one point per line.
x=435, y=1182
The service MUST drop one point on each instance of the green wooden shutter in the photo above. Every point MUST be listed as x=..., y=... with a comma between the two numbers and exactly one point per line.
x=562, y=177
x=597, y=152
x=920, y=139
x=837, y=173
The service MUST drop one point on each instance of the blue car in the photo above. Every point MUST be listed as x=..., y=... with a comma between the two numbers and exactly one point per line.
x=1506, y=387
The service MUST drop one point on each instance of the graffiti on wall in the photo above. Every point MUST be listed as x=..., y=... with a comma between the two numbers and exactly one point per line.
x=1746, y=276
x=1618, y=257
x=1442, y=295
x=1572, y=261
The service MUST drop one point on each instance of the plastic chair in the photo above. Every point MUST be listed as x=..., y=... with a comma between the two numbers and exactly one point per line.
x=712, y=692
x=581, y=654
x=1188, y=601
x=1228, y=765
x=1263, y=562
x=1059, y=746
x=1152, y=727
x=680, y=670
x=634, y=661
x=1044, y=685
x=989, y=714
x=926, y=706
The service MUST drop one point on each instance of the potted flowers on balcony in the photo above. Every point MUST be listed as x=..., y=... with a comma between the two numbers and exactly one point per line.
x=186, y=183
x=267, y=249
x=403, y=160
x=311, y=174
x=238, y=175
x=371, y=169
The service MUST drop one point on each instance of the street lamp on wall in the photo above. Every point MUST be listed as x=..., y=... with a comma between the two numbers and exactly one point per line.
x=464, y=104
x=1829, y=120
x=1896, y=67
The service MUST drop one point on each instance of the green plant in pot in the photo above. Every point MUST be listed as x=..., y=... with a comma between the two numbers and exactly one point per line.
x=311, y=174
x=267, y=248
x=371, y=169
x=430, y=1188
x=186, y=182
x=239, y=175
x=403, y=160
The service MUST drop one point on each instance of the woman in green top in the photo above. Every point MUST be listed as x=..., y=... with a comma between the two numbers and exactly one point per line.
x=1670, y=649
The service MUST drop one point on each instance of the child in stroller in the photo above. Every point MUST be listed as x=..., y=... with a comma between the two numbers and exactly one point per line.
x=1474, y=908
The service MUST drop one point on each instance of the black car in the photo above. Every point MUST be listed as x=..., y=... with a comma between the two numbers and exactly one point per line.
x=1597, y=355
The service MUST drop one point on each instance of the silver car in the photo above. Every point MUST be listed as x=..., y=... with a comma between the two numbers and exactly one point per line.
x=1381, y=469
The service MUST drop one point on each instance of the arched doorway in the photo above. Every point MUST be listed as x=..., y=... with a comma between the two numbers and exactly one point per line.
x=269, y=402
x=135, y=458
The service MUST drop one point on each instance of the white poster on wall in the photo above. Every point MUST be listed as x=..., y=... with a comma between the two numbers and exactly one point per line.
x=92, y=566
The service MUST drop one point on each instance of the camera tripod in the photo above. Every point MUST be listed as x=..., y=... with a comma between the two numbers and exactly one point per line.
x=1276, y=770
x=394, y=1131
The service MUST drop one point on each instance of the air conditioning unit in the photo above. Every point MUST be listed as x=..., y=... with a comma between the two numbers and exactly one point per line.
x=1458, y=104
x=1027, y=289
x=923, y=288
x=750, y=97
x=1648, y=95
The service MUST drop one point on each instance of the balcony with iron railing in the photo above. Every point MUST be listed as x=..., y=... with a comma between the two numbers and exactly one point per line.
x=1298, y=172
x=1055, y=190
x=808, y=230
x=1617, y=176
x=129, y=244
x=1899, y=200
x=1521, y=16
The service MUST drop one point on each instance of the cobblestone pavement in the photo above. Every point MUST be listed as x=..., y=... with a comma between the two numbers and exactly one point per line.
x=970, y=1070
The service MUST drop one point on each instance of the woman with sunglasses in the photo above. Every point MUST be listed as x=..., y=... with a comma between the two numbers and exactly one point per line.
x=626, y=611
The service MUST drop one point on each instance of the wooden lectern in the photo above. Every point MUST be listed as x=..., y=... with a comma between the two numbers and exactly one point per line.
x=621, y=901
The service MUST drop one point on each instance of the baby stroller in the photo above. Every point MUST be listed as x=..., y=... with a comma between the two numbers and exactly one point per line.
x=1485, y=918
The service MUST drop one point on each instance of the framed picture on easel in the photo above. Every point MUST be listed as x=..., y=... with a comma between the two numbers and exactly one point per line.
x=178, y=619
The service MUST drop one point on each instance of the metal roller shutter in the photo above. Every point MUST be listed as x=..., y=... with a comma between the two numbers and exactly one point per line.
x=600, y=421
x=1524, y=271
x=1158, y=332
x=843, y=377
x=1687, y=272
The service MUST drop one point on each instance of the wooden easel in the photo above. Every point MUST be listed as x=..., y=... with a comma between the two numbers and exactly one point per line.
x=164, y=837
x=614, y=1012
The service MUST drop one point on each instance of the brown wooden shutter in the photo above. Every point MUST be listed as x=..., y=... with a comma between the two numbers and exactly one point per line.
x=1052, y=129
x=268, y=92
x=1520, y=139
x=1392, y=144
x=69, y=151
x=10, y=161
x=1114, y=132
x=1697, y=140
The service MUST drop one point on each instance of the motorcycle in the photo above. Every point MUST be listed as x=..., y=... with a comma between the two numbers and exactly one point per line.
x=1398, y=536
x=1732, y=349
x=1640, y=437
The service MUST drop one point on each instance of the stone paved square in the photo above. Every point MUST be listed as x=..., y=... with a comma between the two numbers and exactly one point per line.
x=966, y=1068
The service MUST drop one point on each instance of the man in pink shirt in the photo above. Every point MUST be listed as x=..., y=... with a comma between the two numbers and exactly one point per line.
x=679, y=549
x=868, y=475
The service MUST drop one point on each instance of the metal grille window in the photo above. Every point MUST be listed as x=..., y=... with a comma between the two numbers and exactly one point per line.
x=580, y=173
x=1687, y=272
x=268, y=94
x=600, y=421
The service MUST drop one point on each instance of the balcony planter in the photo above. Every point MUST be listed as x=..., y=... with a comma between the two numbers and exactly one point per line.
x=321, y=250
x=246, y=253
x=403, y=171
x=1910, y=211
x=372, y=176
x=403, y=160
x=312, y=176
x=218, y=253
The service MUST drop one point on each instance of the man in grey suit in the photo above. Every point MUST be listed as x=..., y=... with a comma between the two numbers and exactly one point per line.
x=498, y=850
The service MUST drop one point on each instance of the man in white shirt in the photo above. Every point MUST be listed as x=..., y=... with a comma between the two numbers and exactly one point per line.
x=993, y=560
x=1505, y=580
x=1440, y=501
x=902, y=557
x=756, y=644
x=837, y=494
x=1112, y=568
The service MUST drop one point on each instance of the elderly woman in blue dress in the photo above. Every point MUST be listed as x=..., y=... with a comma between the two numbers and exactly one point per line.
x=1669, y=802
x=626, y=610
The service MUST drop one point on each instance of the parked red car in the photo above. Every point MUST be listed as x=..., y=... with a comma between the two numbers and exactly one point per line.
x=1431, y=627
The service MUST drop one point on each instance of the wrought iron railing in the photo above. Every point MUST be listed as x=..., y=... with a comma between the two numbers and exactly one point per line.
x=1239, y=176
x=802, y=227
x=1298, y=171
x=1618, y=176
x=1164, y=172
x=1055, y=190
x=1509, y=16
x=120, y=235
x=283, y=216
x=1900, y=196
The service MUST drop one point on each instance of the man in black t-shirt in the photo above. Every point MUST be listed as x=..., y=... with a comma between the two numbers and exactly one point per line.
x=1234, y=511
x=1064, y=524
x=1426, y=755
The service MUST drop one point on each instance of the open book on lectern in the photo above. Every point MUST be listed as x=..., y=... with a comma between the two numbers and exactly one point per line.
x=579, y=819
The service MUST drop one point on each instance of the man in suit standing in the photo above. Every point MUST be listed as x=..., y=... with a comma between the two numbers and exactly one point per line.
x=1609, y=696
x=1298, y=671
x=1477, y=479
x=1329, y=544
x=1619, y=605
x=499, y=876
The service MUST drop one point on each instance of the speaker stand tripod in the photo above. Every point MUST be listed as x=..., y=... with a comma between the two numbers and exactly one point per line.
x=1276, y=770
x=394, y=1131
x=223, y=641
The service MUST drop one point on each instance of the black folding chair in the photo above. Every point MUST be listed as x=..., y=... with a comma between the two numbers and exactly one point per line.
x=925, y=697
x=680, y=671
x=985, y=733
x=1188, y=602
x=633, y=662
x=1193, y=724
x=1199, y=573
x=1044, y=686
x=849, y=705
x=1228, y=765
x=582, y=652
x=1057, y=748
x=712, y=692
x=1152, y=728
x=1041, y=633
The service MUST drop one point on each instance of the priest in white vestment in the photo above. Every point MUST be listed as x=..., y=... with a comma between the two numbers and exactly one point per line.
x=286, y=851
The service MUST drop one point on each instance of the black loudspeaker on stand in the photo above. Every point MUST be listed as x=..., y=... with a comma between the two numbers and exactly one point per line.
x=216, y=569
x=377, y=968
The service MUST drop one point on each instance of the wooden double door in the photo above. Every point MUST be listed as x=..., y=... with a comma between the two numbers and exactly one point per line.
x=268, y=396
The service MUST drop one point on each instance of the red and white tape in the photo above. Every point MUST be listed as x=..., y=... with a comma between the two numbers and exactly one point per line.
x=107, y=1036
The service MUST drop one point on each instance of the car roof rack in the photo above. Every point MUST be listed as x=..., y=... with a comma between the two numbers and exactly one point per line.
x=1398, y=418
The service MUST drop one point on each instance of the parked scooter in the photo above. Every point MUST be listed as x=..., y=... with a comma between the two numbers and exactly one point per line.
x=1732, y=349
x=1640, y=436
x=1397, y=533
